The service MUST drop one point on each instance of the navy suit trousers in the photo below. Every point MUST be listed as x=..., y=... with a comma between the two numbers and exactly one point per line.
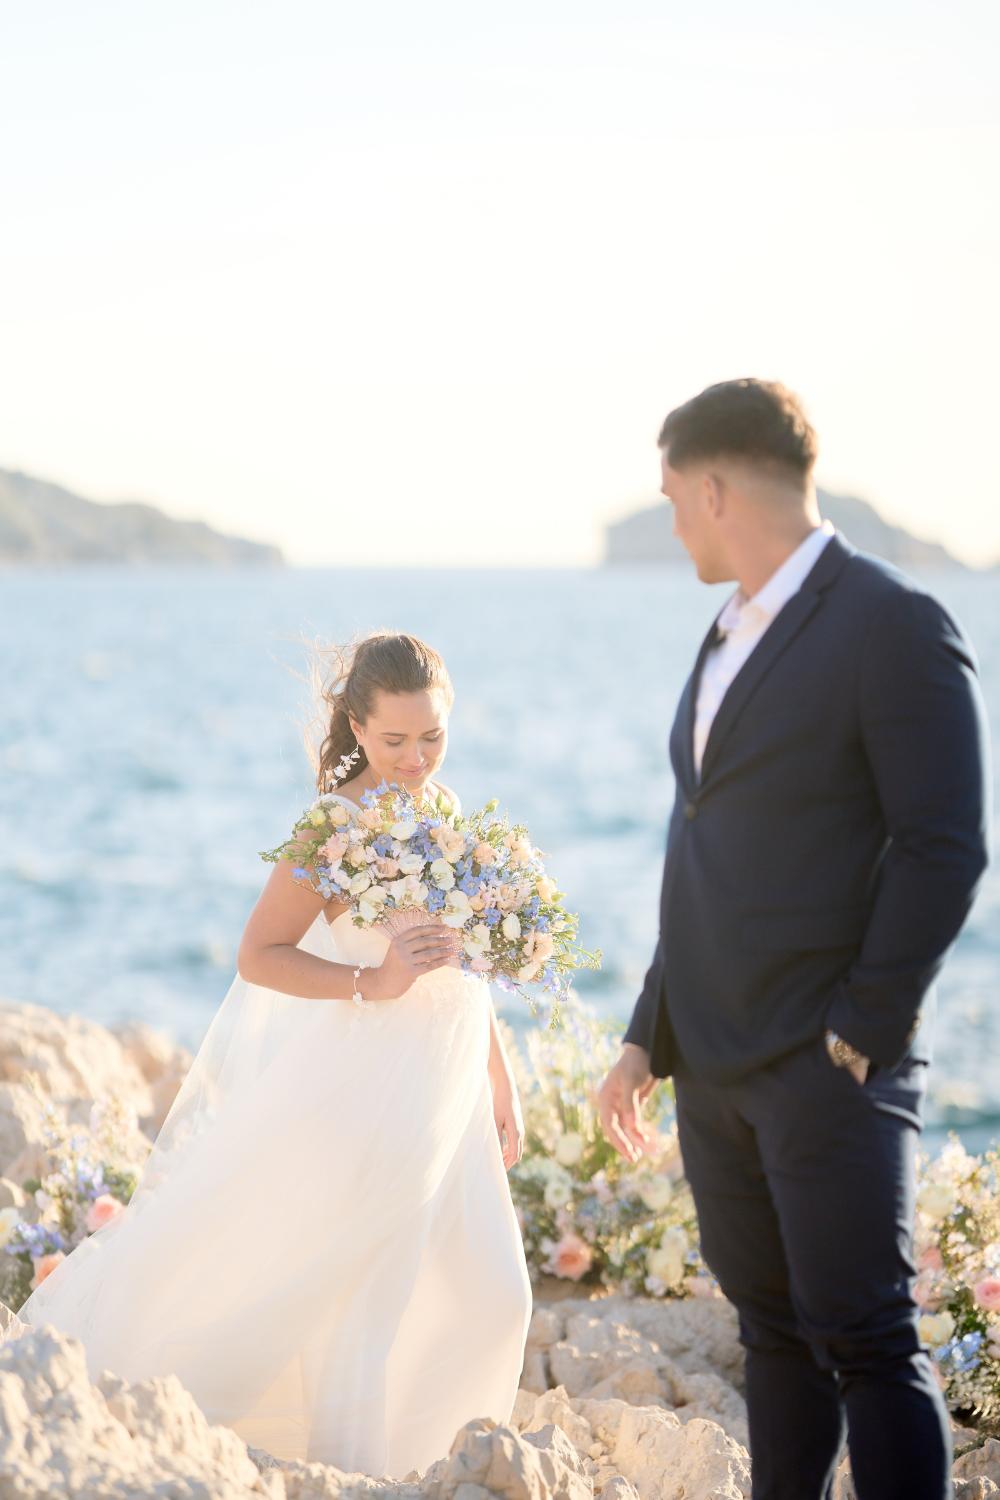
x=804, y=1182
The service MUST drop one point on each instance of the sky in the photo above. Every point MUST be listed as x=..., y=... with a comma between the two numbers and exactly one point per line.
x=417, y=284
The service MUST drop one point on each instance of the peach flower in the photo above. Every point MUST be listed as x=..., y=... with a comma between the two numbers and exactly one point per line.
x=930, y=1260
x=44, y=1265
x=335, y=848
x=102, y=1210
x=987, y=1293
x=386, y=869
x=926, y=1293
x=571, y=1257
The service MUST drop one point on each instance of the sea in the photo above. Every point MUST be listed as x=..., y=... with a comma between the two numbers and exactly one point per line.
x=151, y=745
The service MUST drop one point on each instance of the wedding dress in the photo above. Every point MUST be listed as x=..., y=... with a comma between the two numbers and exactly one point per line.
x=322, y=1244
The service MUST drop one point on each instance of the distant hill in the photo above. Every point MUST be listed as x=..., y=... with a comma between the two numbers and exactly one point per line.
x=43, y=523
x=646, y=536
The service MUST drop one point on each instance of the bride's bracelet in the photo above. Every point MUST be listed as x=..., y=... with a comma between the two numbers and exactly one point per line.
x=357, y=996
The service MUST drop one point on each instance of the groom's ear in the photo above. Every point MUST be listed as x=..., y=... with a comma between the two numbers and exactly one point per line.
x=713, y=492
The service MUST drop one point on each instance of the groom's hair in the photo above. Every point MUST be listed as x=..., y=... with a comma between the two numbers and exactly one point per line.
x=757, y=420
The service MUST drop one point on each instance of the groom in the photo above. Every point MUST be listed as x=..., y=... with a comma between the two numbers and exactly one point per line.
x=827, y=839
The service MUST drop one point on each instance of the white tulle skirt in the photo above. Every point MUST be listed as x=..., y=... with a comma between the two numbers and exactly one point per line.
x=322, y=1245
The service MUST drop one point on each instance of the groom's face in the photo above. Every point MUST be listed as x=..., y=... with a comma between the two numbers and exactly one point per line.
x=692, y=492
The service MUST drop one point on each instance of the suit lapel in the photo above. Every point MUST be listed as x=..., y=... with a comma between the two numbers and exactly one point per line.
x=785, y=626
x=685, y=712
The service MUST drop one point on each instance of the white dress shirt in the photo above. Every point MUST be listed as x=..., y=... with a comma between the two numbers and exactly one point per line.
x=743, y=622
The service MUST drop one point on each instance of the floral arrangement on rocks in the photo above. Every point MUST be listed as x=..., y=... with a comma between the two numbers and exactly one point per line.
x=399, y=859
x=957, y=1244
x=93, y=1171
x=585, y=1213
x=588, y=1216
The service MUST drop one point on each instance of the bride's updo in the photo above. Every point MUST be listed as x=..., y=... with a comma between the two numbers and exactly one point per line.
x=383, y=662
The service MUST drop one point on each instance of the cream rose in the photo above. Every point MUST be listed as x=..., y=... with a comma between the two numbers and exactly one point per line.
x=569, y=1149
x=338, y=814
x=442, y=874
x=936, y=1329
x=403, y=831
x=666, y=1261
x=511, y=926
x=360, y=883
x=545, y=888
x=538, y=946
x=370, y=818
x=411, y=863
x=521, y=850
x=936, y=1200
x=9, y=1218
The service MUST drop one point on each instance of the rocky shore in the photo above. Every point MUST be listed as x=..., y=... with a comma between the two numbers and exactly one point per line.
x=620, y=1399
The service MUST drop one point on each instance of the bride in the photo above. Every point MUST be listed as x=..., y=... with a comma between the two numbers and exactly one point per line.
x=322, y=1244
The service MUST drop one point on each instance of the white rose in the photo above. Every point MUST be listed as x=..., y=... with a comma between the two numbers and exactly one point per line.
x=442, y=875
x=511, y=927
x=409, y=891
x=9, y=1218
x=457, y=909
x=356, y=856
x=936, y=1200
x=360, y=883
x=403, y=831
x=338, y=815
x=656, y=1193
x=666, y=1260
x=478, y=940
x=411, y=863
x=569, y=1149
x=371, y=904
x=558, y=1192
x=936, y=1329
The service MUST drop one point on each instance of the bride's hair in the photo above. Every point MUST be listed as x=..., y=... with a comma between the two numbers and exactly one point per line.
x=346, y=679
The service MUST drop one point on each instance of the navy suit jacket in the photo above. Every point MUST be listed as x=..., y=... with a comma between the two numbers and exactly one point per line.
x=819, y=871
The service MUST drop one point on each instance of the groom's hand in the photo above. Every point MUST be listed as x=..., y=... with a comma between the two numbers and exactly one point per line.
x=620, y=1100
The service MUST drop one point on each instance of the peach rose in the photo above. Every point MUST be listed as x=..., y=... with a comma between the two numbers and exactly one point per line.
x=571, y=1257
x=102, y=1210
x=545, y=888
x=484, y=854
x=987, y=1293
x=449, y=841
x=930, y=1260
x=44, y=1265
x=538, y=946
x=335, y=848
x=385, y=868
x=371, y=818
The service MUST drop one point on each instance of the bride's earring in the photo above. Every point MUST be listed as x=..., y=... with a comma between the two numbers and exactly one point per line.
x=343, y=767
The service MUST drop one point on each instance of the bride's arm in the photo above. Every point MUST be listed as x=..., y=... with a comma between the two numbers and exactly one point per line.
x=286, y=909
x=506, y=1103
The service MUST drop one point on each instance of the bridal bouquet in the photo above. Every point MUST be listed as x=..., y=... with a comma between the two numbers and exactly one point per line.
x=400, y=860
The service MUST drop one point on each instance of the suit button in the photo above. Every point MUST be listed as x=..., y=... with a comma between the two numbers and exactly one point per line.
x=690, y=810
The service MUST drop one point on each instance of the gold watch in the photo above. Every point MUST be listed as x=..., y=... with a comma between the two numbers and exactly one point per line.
x=842, y=1054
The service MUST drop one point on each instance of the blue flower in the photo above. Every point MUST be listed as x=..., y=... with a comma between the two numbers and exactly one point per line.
x=435, y=899
x=383, y=845
x=492, y=916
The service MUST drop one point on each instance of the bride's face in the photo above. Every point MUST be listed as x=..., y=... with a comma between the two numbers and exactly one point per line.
x=405, y=737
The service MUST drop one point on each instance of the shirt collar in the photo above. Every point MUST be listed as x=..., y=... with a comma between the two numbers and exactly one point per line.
x=779, y=588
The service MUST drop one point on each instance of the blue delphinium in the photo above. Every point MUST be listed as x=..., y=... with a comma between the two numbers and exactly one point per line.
x=435, y=899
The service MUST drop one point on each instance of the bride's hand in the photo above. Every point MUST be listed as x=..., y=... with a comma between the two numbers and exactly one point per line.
x=508, y=1119
x=413, y=952
x=620, y=1100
